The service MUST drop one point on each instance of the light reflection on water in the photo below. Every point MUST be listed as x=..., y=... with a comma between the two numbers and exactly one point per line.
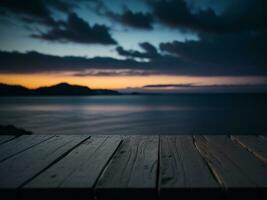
x=151, y=114
x=91, y=108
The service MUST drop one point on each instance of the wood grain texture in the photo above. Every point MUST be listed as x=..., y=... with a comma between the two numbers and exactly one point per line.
x=74, y=176
x=234, y=165
x=6, y=138
x=132, y=167
x=20, y=144
x=132, y=172
x=22, y=167
x=181, y=165
x=256, y=145
x=183, y=172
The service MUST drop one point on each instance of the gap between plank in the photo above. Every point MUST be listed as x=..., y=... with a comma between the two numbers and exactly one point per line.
x=6, y=141
x=52, y=163
x=26, y=148
x=258, y=156
x=106, y=165
x=213, y=172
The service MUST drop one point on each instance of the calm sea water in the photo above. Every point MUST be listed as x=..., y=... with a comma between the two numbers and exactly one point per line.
x=140, y=114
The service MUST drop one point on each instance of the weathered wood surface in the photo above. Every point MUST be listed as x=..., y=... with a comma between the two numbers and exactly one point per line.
x=256, y=145
x=20, y=144
x=132, y=167
x=132, y=172
x=182, y=169
x=6, y=138
x=14, y=172
x=78, y=171
x=234, y=166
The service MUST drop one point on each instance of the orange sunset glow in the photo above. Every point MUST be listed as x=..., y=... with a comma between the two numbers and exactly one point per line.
x=121, y=82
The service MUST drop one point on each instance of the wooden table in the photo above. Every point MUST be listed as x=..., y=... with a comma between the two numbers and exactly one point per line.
x=133, y=167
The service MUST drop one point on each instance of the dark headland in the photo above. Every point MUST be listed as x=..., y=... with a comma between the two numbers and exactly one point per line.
x=61, y=89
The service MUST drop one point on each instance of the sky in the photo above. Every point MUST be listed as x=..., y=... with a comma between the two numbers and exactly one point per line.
x=141, y=45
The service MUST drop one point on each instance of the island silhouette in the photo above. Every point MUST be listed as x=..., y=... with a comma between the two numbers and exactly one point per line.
x=61, y=89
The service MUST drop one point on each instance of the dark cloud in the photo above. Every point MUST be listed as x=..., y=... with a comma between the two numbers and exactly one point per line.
x=130, y=53
x=231, y=42
x=149, y=51
x=127, y=17
x=149, y=48
x=114, y=72
x=214, y=54
x=65, y=6
x=75, y=29
x=34, y=62
x=35, y=11
x=246, y=15
x=175, y=13
x=170, y=85
x=192, y=87
x=132, y=19
x=240, y=15
x=227, y=52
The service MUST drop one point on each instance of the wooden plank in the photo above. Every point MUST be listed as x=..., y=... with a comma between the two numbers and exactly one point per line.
x=6, y=138
x=20, y=144
x=132, y=172
x=183, y=172
x=256, y=145
x=74, y=176
x=15, y=171
x=234, y=166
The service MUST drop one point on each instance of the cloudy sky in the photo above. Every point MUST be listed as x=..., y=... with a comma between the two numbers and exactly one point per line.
x=135, y=45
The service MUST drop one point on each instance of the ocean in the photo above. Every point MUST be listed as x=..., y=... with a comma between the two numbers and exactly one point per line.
x=138, y=114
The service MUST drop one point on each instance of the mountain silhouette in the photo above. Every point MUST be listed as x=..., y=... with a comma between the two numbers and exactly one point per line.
x=61, y=89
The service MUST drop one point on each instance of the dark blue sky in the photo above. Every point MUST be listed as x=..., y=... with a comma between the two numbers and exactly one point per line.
x=85, y=38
